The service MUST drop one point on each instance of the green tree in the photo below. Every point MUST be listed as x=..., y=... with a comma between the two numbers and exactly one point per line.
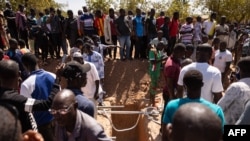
x=103, y=5
x=181, y=6
x=235, y=10
x=37, y=5
x=132, y=5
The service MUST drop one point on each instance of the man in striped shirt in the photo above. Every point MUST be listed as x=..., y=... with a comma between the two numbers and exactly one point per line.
x=186, y=31
x=87, y=23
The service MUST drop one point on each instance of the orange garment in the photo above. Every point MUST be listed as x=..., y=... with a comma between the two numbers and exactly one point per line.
x=99, y=25
x=24, y=50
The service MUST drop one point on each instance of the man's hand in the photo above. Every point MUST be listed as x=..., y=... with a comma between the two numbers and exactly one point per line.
x=32, y=136
x=59, y=70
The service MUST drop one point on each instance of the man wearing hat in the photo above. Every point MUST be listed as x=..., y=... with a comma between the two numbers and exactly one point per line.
x=92, y=89
x=75, y=74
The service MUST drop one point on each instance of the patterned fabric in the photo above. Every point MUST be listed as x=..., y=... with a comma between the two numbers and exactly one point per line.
x=154, y=69
x=234, y=100
x=197, y=31
x=187, y=37
x=88, y=20
x=99, y=25
x=97, y=60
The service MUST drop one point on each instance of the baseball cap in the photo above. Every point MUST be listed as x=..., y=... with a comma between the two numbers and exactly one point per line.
x=73, y=70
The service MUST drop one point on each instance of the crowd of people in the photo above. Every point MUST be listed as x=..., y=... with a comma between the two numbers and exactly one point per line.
x=202, y=91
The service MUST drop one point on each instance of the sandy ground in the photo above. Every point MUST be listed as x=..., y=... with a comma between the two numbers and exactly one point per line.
x=126, y=84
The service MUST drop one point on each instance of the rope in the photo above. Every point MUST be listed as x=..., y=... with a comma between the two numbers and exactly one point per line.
x=121, y=130
x=127, y=129
x=150, y=117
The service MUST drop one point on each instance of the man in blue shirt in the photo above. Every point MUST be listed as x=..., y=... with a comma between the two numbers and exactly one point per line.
x=15, y=54
x=38, y=86
x=138, y=24
x=195, y=122
x=193, y=81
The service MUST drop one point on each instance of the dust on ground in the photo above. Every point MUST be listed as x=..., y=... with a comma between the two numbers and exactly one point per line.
x=126, y=83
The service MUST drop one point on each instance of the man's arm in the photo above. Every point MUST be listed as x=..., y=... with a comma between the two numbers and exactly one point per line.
x=43, y=105
x=101, y=75
x=217, y=87
x=218, y=33
x=165, y=121
x=16, y=20
x=217, y=96
x=245, y=116
x=230, y=95
x=170, y=84
x=164, y=132
x=97, y=83
x=180, y=90
x=203, y=28
x=25, y=91
x=227, y=70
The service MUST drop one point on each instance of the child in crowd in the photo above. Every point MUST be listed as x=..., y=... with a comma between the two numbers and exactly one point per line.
x=155, y=57
x=98, y=46
x=22, y=46
x=77, y=48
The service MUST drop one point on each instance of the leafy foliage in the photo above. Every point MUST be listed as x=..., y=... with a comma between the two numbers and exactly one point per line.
x=145, y=5
x=37, y=5
x=103, y=5
x=181, y=6
x=235, y=10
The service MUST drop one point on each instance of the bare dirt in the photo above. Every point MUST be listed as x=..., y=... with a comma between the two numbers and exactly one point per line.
x=126, y=83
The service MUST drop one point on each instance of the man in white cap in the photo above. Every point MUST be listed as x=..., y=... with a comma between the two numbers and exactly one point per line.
x=92, y=89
